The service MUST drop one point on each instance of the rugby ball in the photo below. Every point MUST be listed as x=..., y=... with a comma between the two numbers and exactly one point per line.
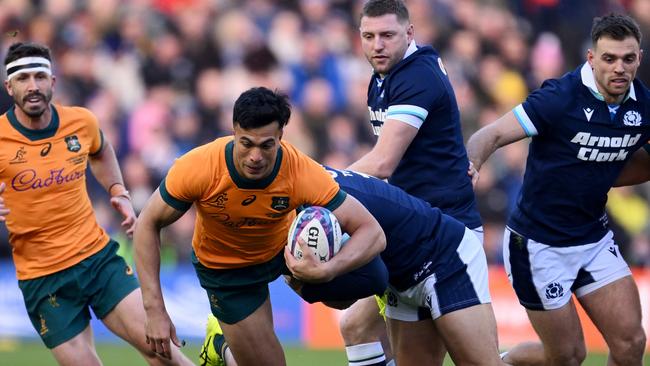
x=320, y=230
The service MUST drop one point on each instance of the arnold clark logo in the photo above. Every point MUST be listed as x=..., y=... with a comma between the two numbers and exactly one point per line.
x=591, y=146
x=632, y=118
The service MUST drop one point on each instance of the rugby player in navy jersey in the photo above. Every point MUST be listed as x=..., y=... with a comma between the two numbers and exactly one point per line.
x=436, y=270
x=584, y=127
x=437, y=277
x=414, y=113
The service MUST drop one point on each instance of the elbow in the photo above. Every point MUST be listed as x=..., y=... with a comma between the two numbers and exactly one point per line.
x=385, y=168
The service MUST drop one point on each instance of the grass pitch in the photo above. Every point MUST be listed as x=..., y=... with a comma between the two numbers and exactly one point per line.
x=17, y=353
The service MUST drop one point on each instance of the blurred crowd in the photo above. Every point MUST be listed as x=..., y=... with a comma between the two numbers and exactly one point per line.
x=162, y=76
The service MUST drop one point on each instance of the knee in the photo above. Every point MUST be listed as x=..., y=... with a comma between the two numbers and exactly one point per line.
x=628, y=350
x=353, y=329
x=350, y=329
x=568, y=356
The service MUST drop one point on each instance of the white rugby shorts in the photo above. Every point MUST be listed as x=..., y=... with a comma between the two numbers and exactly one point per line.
x=544, y=276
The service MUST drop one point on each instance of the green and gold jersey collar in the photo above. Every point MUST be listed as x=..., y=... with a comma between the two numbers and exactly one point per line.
x=31, y=134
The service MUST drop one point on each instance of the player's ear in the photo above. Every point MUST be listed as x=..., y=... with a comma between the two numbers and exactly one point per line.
x=590, y=57
x=8, y=88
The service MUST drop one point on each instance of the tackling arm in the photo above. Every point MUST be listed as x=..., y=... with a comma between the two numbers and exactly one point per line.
x=367, y=239
x=382, y=160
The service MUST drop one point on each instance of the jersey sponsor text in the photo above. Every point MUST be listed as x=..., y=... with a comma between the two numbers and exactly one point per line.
x=594, y=154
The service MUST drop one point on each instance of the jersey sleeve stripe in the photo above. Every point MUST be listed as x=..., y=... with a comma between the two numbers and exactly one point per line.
x=172, y=201
x=525, y=121
x=338, y=199
x=101, y=144
x=408, y=109
x=408, y=119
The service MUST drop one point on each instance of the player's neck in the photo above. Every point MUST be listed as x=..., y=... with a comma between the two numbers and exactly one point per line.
x=613, y=99
x=34, y=123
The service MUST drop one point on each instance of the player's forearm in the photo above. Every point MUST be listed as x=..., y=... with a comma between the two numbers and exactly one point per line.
x=373, y=164
x=146, y=241
x=480, y=146
x=106, y=169
x=365, y=243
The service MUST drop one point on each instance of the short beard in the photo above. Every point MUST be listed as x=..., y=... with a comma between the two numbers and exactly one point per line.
x=34, y=114
x=37, y=114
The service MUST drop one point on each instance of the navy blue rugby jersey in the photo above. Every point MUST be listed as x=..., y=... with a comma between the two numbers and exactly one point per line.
x=417, y=91
x=576, y=154
x=420, y=238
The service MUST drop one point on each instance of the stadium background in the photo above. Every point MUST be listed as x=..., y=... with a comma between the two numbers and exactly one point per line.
x=162, y=76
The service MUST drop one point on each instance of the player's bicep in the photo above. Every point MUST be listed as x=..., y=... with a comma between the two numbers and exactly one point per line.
x=158, y=213
x=352, y=215
x=395, y=138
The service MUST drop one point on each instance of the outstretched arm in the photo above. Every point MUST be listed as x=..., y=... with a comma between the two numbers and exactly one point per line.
x=636, y=170
x=159, y=328
x=488, y=139
x=106, y=170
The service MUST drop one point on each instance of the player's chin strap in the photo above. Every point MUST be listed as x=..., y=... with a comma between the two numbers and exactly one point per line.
x=28, y=64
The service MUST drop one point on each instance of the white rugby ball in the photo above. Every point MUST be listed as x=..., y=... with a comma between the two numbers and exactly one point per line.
x=320, y=230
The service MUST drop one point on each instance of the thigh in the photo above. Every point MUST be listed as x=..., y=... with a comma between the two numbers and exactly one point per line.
x=415, y=342
x=79, y=350
x=559, y=330
x=56, y=306
x=253, y=341
x=127, y=320
x=615, y=309
x=470, y=335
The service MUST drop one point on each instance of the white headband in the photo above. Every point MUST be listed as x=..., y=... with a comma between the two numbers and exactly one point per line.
x=28, y=64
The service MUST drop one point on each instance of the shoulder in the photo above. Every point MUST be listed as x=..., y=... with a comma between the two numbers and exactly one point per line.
x=423, y=70
x=207, y=151
x=418, y=65
x=290, y=152
x=559, y=91
x=74, y=112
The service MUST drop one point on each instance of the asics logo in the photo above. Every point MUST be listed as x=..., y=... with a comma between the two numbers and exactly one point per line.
x=250, y=199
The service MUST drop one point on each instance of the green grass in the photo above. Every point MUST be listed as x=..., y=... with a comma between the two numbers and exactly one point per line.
x=32, y=353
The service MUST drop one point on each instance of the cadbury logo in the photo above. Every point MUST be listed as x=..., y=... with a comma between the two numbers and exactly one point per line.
x=27, y=179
